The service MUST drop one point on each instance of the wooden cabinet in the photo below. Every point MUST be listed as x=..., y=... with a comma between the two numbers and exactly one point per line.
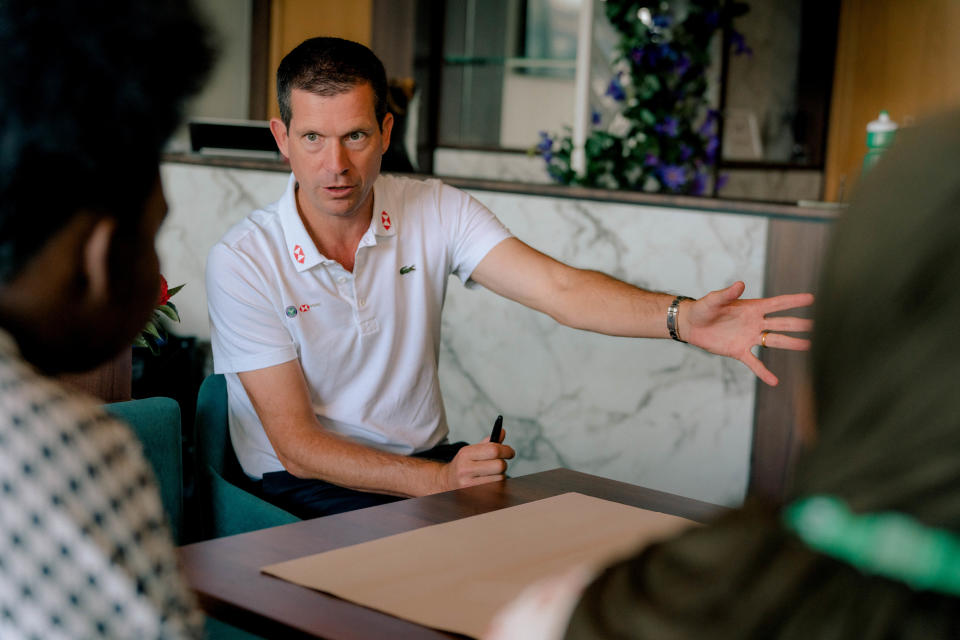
x=293, y=21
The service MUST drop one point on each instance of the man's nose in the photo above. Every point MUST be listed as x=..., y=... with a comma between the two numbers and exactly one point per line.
x=336, y=161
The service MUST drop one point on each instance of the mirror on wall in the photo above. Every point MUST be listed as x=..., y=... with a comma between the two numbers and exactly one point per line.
x=508, y=71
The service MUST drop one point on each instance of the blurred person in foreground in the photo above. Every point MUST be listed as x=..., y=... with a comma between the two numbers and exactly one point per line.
x=89, y=92
x=867, y=544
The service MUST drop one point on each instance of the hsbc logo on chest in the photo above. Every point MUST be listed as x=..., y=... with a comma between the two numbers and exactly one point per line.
x=298, y=254
x=385, y=220
x=294, y=310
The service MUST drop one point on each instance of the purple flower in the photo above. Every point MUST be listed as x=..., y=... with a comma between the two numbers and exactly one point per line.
x=637, y=55
x=711, y=148
x=722, y=180
x=699, y=184
x=668, y=127
x=595, y=117
x=706, y=128
x=615, y=90
x=650, y=160
x=685, y=152
x=662, y=20
x=660, y=52
x=683, y=65
x=673, y=176
x=546, y=142
x=712, y=18
x=739, y=43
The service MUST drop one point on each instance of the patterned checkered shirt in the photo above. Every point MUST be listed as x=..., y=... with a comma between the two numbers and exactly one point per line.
x=84, y=549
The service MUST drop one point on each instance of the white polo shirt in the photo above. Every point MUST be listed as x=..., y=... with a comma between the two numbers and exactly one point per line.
x=368, y=341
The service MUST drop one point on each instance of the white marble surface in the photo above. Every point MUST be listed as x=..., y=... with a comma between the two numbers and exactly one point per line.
x=651, y=412
x=491, y=165
x=203, y=203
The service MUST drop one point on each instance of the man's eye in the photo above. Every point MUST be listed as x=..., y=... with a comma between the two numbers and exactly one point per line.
x=312, y=137
x=356, y=135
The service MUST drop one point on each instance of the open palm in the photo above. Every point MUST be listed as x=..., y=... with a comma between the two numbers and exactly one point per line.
x=723, y=324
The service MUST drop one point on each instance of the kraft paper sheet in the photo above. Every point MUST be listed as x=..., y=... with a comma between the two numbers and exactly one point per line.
x=455, y=576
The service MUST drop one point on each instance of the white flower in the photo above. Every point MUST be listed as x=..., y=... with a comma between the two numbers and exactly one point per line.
x=620, y=126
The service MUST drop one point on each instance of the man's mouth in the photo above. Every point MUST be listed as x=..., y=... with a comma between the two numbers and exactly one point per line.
x=339, y=190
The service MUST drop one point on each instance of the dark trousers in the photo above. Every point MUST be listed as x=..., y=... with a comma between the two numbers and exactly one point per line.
x=308, y=498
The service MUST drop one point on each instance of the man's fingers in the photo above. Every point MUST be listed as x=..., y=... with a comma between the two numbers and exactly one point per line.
x=788, y=324
x=729, y=294
x=502, y=451
x=789, y=301
x=487, y=451
x=485, y=479
x=780, y=341
x=759, y=369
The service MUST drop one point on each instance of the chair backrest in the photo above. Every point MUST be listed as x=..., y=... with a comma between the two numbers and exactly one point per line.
x=228, y=502
x=156, y=422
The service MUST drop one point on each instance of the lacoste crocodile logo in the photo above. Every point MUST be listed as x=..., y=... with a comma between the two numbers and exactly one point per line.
x=407, y=269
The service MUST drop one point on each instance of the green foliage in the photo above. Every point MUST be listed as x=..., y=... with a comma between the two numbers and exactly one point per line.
x=662, y=135
x=154, y=335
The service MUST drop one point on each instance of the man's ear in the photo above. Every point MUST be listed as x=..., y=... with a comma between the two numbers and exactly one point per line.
x=96, y=258
x=279, y=131
x=385, y=130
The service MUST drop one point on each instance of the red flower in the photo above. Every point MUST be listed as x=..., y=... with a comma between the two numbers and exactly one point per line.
x=164, y=292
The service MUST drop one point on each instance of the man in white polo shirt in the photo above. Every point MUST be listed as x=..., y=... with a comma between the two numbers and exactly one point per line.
x=325, y=306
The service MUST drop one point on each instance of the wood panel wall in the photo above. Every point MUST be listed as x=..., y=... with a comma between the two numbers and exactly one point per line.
x=795, y=252
x=293, y=21
x=898, y=55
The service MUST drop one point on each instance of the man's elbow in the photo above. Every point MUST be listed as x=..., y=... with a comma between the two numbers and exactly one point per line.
x=293, y=466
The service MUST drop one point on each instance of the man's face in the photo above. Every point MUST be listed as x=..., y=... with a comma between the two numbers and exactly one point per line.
x=334, y=144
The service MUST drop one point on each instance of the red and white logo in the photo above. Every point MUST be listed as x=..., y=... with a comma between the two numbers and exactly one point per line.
x=385, y=220
x=298, y=254
x=304, y=308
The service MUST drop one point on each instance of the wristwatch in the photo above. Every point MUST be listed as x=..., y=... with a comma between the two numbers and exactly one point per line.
x=672, y=312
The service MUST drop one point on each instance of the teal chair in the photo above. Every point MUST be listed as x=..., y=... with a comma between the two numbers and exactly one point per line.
x=227, y=496
x=156, y=422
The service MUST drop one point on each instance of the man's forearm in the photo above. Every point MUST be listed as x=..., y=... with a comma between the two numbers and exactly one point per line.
x=326, y=456
x=574, y=297
x=597, y=302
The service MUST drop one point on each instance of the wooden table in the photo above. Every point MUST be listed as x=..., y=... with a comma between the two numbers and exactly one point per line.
x=225, y=573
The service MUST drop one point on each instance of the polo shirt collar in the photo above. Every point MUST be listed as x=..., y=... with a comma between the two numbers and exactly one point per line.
x=384, y=223
x=299, y=245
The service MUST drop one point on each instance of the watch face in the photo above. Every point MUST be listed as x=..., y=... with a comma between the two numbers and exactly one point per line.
x=291, y=311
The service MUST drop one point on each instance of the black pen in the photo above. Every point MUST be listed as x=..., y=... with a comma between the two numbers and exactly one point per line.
x=495, y=434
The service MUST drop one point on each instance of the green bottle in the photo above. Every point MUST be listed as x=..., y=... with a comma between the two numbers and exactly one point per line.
x=880, y=134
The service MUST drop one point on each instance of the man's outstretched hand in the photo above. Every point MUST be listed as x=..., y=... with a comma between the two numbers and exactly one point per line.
x=721, y=323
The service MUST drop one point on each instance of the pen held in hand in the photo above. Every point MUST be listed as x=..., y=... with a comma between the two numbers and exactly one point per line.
x=495, y=434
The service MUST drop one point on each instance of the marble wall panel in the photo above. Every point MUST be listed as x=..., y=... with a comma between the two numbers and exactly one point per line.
x=203, y=203
x=650, y=412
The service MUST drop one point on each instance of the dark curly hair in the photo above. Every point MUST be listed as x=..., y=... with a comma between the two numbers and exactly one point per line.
x=329, y=67
x=89, y=93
